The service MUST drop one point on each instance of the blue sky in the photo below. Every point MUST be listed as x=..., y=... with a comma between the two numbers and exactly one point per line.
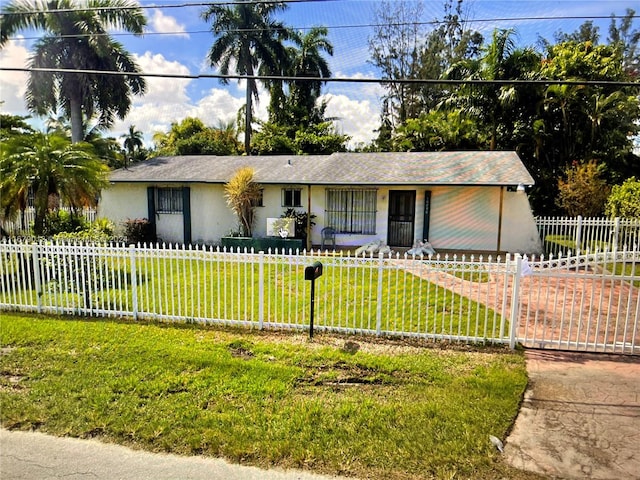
x=185, y=40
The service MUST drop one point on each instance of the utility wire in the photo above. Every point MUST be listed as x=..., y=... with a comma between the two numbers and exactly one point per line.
x=248, y=2
x=341, y=27
x=408, y=81
x=170, y=5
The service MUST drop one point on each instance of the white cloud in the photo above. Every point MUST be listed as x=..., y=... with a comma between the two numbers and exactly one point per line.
x=163, y=90
x=371, y=91
x=218, y=105
x=13, y=84
x=357, y=119
x=166, y=99
x=162, y=23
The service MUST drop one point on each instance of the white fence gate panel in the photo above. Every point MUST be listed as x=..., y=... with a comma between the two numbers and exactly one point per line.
x=587, y=303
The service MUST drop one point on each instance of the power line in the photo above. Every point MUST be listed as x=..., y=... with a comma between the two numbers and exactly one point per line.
x=408, y=81
x=170, y=5
x=341, y=27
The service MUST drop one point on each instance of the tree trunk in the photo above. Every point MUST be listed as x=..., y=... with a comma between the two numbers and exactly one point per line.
x=76, y=120
x=247, y=118
x=41, y=207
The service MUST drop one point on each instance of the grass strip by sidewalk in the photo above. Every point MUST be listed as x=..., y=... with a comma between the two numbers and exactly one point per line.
x=344, y=406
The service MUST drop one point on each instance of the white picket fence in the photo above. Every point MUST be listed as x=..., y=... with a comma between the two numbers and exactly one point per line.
x=589, y=302
x=579, y=234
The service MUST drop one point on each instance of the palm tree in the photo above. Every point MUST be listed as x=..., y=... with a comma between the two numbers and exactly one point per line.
x=307, y=61
x=48, y=164
x=250, y=40
x=76, y=38
x=132, y=142
x=491, y=103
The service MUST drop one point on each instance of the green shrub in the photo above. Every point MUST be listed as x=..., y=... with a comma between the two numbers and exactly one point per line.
x=61, y=221
x=91, y=235
x=624, y=200
x=300, y=221
x=103, y=225
x=138, y=230
x=584, y=191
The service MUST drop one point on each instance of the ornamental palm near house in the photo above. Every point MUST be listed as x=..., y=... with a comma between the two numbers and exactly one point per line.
x=472, y=201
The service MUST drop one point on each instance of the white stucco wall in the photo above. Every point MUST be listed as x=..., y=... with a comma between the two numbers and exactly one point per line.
x=519, y=231
x=463, y=218
x=210, y=216
x=213, y=219
x=120, y=202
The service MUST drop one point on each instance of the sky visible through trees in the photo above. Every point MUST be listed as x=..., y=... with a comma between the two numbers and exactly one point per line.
x=177, y=42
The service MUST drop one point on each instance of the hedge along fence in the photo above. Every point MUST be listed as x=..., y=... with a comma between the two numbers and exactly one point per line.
x=392, y=295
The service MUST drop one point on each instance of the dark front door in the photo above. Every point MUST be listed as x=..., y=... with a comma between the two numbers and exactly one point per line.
x=402, y=214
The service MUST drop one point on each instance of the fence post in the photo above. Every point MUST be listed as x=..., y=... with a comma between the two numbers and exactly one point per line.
x=36, y=274
x=578, y=235
x=134, y=281
x=261, y=290
x=616, y=233
x=379, y=303
x=514, y=319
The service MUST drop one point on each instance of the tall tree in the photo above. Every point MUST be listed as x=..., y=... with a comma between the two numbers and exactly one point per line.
x=48, y=164
x=76, y=38
x=437, y=131
x=12, y=125
x=132, y=142
x=192, y=137
x=590, y=121
x=451, y=42
x=395, y=49
x=297, y=122
x=492, y=104
x=308, y=61
x=627, y=40
x=249, y=39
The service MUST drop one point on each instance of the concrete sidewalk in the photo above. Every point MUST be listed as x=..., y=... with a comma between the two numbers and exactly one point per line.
x=580, y=418
x=35, y=456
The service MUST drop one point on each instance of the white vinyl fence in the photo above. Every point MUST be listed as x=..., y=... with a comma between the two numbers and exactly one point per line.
x=542, y=303
x=579, y=234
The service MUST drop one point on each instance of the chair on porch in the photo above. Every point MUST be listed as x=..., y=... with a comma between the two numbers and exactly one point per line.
x=328, y=235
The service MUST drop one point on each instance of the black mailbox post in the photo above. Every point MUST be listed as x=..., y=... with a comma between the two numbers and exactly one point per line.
x=311, y=273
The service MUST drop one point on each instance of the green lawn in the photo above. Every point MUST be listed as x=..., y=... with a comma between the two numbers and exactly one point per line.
x=368, y=409
x=566, y=243
x=624, y=269
x=205, y=288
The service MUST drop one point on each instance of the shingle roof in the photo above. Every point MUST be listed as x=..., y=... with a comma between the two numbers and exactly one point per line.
x=414, y=168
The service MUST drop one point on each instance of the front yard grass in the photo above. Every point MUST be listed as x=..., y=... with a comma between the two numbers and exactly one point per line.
x=351, y=406
x=203, y=288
